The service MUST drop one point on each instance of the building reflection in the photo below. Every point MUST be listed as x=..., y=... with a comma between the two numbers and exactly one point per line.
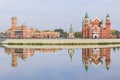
x=23, y=53
x=96, y=56
x=71, y=53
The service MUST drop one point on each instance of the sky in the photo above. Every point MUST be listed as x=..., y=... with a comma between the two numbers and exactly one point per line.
x=54, y=14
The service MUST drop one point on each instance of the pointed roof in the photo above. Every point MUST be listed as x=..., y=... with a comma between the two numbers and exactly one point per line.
x=86, y=68
x=86, y=15
x=107, y=16
x=71, y=53
x=71, y=29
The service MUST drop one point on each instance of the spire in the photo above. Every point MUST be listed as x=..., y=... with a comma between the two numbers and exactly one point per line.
x=71, y=53
x=107, y=68
x=107, y=16
x=86, y=15
x=86, y=68
x=71, y=29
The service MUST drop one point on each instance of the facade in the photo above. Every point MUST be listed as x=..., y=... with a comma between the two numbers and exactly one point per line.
x=71, y=33
x=19, y=31
x=48, y=34
x=24, y=32
x=95, y=28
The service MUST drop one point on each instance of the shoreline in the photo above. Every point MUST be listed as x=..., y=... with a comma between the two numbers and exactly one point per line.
x=60, y=46
x=60, y=41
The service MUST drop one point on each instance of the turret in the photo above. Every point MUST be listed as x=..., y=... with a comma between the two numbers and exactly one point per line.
x=71, y=53
x=86, y=20
x=108, y=20
x=71, y=33
x=14, y=22
x=71, y=29
x=108, y=24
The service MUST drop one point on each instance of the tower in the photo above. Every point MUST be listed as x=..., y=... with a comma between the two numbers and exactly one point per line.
x=71, y=53
x=14, y=22
x=71, y=33
x=86, y=20
x=108, y=24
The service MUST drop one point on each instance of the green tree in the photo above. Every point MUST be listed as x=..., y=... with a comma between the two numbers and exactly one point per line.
x=78, y=34
x=37, y=30
x=65, y=34
x=115, y=32
x=61, y=32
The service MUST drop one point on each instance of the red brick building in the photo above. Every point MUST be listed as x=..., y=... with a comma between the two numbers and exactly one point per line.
x=95, y=28
x=16, y=31
x=24, y=32
x=46, y=34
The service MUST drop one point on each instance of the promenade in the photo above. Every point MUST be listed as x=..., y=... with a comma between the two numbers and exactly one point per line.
x=60, y=41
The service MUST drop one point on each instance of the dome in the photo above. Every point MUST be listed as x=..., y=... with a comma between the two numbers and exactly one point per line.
x=14, y=18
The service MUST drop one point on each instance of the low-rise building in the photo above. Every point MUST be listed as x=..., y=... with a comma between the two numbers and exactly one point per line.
x=24, y=32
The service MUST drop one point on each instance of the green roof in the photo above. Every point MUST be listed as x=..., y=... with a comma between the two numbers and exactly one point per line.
x=86, y=15
x=86, y=68
x=71, y=29
x=14, y=17
x=107, y=16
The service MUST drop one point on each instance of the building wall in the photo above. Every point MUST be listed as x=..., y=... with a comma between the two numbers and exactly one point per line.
x=96, y=28
x=25, y=32
x=47, y=35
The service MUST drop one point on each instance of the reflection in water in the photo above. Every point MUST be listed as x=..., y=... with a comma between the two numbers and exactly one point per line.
x=23, y=53
x=90, y=56
x=96, y=56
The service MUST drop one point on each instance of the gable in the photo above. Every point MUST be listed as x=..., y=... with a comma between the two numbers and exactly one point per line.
x=96, y=21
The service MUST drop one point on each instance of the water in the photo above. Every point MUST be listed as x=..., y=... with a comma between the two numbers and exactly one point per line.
x=59, y=63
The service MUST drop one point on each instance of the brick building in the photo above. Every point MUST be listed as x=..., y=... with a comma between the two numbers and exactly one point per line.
x=46, y=34
x=24, y=32
x=19, y=31
x=96, y=28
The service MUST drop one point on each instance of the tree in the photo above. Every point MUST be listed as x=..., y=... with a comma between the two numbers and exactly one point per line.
x=37, y=30
x=115, y=32
x=61, y=32
x=65, y=34
x=78, y=34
